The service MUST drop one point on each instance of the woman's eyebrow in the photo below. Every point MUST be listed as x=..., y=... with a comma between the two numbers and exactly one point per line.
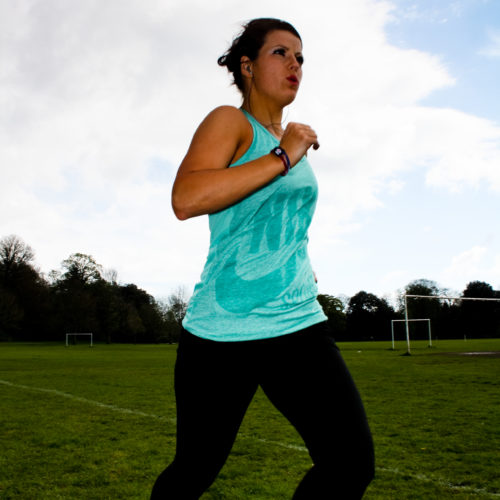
x=282, y=46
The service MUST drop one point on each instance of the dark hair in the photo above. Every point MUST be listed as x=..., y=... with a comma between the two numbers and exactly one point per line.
x=249, y=42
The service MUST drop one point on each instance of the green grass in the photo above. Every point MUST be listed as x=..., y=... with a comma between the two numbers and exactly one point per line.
x=98, y=423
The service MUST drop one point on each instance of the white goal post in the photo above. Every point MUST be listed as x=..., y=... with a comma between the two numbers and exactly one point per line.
x=439, y=297
x=410, y=320
x=76, y=334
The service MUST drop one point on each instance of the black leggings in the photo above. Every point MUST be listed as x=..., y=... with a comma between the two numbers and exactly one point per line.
x=304, y=376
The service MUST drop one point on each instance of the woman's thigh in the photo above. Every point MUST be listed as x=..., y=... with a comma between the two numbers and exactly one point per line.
x=213, y=390
x=306, y=378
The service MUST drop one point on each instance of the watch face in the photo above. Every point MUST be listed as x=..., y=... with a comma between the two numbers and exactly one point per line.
x=278, y=151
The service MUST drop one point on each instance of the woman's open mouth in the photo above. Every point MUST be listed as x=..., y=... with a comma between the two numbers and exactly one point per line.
x=293, y=79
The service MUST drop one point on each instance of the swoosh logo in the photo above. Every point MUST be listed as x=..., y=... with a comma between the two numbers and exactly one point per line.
x=243, y=286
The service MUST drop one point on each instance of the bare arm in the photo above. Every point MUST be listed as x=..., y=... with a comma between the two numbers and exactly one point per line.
x=204, y=184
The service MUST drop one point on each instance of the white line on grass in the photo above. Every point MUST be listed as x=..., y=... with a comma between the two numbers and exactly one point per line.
x=438, y=481
x=418, y=477
x=87, y=401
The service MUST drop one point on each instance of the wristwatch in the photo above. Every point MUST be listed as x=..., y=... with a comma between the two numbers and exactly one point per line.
x=281, y=153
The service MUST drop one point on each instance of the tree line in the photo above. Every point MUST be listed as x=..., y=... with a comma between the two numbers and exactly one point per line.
x=81, y=297
x=367, y=317
x=84, y=297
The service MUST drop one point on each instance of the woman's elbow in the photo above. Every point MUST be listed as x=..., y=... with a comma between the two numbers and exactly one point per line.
x=181, y=215
x=180, y=203
x=180, y=211
x=184, y=206
x=187, y=203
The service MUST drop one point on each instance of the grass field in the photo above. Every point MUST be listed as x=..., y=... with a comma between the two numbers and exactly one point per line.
x=99, y=423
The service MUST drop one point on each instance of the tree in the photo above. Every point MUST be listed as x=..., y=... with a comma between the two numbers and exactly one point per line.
x=11, y=315
x=421, y=308
x=24, y=294
x=108, y=307
x=178, y=303
x=16, y=260
x=111, y=276
x=81, y=268
x=142, y=320
x=418, y=287
x=81, y=297
x=479, y=289
x=368, y=317
x=76, y=302
x=480, y=318
x=333, y=308
x=173, y=311
x=14, y=253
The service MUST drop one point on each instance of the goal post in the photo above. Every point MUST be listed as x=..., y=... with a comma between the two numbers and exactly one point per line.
x=409, y=321
x=68, y=335
x=438, y=297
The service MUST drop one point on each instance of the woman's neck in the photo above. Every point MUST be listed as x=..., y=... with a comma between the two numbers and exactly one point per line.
x=269, y=117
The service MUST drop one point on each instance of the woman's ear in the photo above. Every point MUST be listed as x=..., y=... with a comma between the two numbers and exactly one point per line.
x=246, y=67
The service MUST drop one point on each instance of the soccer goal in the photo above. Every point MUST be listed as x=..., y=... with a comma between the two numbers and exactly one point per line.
x=74, y=335
x=409, y=321
x=433, y=297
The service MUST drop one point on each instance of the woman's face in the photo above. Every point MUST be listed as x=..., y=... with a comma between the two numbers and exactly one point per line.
x=277, y=71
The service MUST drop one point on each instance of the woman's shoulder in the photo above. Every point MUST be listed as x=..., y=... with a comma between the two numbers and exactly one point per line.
x=227, y=113
x=227, y=121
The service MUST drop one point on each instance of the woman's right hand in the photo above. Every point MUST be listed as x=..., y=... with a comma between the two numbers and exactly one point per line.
x=297, y=139
x=204, y=184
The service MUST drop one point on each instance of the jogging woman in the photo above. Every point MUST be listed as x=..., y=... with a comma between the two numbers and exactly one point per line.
x=253, y=318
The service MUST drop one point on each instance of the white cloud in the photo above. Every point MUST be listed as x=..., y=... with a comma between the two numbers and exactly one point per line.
x=435, y=12
x=492, y=49
x=459, y=149
x=475, y=264
x=470, y=259
x=93, y=92
x=496, y=272
x=395, y=279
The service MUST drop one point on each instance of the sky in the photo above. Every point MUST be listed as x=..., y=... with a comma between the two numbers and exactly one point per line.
x=99, y=102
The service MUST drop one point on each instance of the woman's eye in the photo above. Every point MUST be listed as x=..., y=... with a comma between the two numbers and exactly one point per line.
x=300, y=60
x=281, y=52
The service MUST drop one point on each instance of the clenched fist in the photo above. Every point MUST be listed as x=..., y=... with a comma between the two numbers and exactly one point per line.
x=297, y=139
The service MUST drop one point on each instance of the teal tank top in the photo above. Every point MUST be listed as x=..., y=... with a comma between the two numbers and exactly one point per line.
x=258, y=282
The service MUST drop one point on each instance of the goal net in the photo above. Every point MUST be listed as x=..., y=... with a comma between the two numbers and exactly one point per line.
x=407, y=320
x=73, y=338
x=426, y=320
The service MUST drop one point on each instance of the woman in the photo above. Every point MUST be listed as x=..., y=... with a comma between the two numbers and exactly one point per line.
x=254, y=319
